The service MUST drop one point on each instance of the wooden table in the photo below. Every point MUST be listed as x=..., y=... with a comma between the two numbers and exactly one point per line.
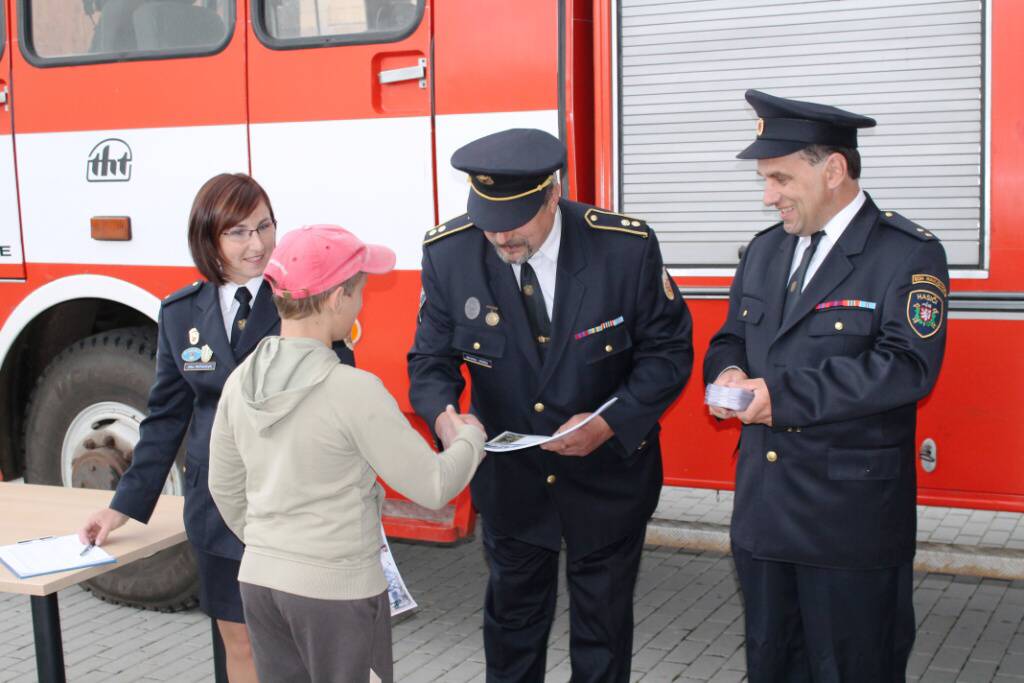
x=35, y=511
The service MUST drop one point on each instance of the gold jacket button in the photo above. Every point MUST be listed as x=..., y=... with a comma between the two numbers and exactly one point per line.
x=538, y=407
x=745, y=311
x=551, y=479
x=608, y=348
x=772, y=456
x=476, y=345
x=839, y=325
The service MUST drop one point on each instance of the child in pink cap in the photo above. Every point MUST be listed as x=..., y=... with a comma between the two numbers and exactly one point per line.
x=297, y=445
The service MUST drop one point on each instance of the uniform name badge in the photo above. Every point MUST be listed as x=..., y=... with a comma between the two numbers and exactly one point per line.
x=477, y=360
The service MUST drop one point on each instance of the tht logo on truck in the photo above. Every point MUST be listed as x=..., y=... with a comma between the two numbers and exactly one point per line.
x=110, y=161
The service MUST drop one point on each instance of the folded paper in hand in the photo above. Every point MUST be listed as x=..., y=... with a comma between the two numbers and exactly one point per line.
x=511, y=441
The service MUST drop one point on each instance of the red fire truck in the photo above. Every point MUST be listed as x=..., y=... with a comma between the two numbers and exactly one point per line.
x=347, y=111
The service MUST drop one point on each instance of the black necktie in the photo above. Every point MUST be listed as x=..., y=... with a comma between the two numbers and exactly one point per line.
x=536, y=311
x=243, y=297
x=796, y=283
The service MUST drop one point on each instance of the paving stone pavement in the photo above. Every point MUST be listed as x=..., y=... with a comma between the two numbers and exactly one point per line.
x=689, y=627
x=957, y=526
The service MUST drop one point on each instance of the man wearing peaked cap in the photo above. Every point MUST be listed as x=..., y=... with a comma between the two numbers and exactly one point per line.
x=836, y=322
x=554, y=307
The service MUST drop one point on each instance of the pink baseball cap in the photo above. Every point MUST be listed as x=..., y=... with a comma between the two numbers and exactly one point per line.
x=314, y=258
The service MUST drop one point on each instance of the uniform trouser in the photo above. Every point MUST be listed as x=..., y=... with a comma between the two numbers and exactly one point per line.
x=520, y=606
x=825, y=625
x=296, y=639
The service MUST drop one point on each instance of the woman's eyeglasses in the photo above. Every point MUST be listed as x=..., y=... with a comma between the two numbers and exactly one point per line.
x=245, y=234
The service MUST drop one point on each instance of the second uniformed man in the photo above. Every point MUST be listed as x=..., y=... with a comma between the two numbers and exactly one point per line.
x=836, y=322
x=555, y=307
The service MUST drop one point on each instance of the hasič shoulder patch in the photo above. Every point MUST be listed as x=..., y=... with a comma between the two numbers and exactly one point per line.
x=599, y=219
x=448, y=228
x=924, y=312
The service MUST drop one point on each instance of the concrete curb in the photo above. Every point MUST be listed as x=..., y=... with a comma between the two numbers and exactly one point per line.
x=943, y=558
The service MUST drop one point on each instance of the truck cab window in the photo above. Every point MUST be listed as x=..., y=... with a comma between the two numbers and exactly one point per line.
x=102, y=30
x=291, y=19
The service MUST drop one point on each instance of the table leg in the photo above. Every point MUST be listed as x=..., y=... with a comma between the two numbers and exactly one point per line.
x=220, y=667
x=49, y=646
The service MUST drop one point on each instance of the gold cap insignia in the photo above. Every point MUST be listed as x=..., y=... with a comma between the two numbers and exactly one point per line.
x=485, y=179
x=760, y=127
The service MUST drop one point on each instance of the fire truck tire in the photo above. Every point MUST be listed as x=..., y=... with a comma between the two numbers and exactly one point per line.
x=112, y=368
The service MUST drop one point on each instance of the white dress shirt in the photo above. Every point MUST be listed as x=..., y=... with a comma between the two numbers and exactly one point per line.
x=833, y=231
x=228, y=303
x=545, y=264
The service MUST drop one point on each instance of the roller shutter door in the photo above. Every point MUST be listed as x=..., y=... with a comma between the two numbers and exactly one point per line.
x=915, y=66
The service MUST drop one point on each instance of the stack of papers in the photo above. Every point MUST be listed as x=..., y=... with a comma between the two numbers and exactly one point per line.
x=51, y=555
x=730, y=398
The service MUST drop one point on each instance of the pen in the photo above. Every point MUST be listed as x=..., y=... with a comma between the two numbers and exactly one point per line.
x=33, y=540
x=87, y=549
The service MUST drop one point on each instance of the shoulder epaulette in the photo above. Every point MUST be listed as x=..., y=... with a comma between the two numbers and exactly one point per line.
x=188, y=290
x=894, y=220
x=615, y=222
x=448, y=228
x=768, y=229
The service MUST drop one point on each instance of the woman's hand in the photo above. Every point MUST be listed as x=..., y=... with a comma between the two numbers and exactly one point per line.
x=99, y=525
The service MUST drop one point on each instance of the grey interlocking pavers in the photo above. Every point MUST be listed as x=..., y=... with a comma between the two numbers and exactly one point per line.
x=689, y=620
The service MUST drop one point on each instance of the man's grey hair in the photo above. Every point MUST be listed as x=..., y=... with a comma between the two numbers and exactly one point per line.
x=815, y=153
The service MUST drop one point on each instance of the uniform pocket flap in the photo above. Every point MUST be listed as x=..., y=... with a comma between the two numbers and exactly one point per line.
x=863, y=463
x=751, y=310
x=606, y=344
x=840, y=321
x=478, y=341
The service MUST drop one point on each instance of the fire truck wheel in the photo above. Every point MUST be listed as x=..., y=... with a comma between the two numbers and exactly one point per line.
x=81, y=428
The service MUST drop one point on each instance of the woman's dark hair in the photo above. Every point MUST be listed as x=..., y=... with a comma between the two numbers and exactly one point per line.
x=223, y=202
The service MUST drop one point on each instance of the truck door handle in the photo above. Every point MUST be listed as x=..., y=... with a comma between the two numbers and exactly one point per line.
x=406, y=73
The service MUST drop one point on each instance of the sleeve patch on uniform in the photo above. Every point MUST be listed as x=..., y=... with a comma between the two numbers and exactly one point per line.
x=922, y=278
x=924, y=312
x=423, y=300
x=666, y=284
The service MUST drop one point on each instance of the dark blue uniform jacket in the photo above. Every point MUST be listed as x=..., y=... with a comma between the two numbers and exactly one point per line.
x=833, y=482
x=182, y=398
x=605, y=272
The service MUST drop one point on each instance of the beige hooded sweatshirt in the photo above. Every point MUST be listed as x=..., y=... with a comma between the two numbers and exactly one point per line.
x=297, y=444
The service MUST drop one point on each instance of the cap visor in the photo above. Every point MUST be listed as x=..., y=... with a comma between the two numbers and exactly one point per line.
x=501, y=216
x=770, y=149
x=379, y=260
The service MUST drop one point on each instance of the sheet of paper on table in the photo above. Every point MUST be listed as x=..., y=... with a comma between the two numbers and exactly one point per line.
x=511, y=441
x=39, y=556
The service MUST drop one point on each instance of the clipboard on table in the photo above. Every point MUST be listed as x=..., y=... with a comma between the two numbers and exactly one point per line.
x=51, y=555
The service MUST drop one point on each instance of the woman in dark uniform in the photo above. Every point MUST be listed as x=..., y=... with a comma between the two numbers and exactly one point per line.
x=205, y=330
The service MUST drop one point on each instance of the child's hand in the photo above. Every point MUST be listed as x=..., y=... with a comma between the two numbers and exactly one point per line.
x=458, y=420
